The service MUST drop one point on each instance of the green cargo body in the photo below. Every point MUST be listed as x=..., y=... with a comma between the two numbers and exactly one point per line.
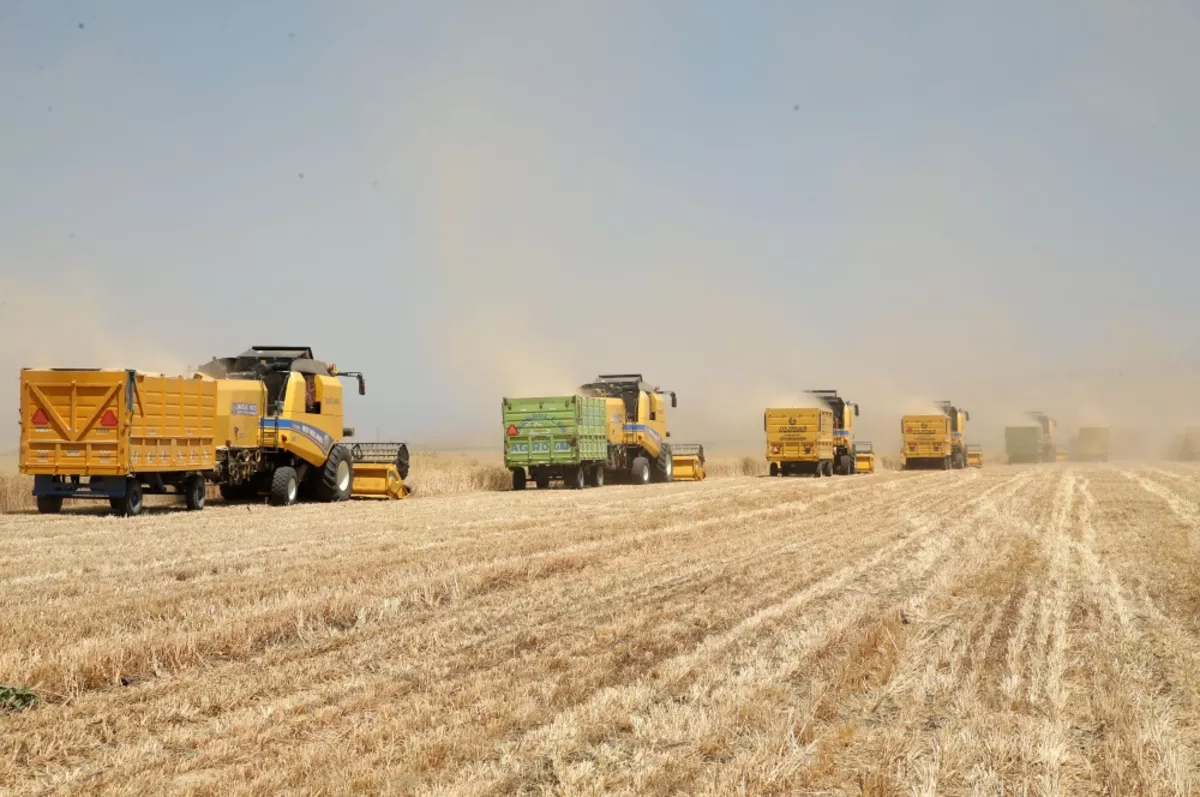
x=555, y=437
x=1023, y=443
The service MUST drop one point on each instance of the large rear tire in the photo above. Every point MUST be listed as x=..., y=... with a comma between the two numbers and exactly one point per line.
x=519, y=481
x=194, y=491
x=49, y=504
x=664, y=470
x=639, y=471
x=130, y=504
x=285, y=486
x=337, y=477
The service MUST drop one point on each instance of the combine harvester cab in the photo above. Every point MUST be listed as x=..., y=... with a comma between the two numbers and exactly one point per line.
x=616, y=428
x=799, y=441
x=115, y=435
x=844, y=413
x=974, y=455
x=280, y=431
x=864, y=457
x=935, y=442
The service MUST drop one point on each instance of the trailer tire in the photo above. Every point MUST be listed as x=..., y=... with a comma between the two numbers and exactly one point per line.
x=639, y=471
x=518, y=475
x=194, y=492
x=576, y=478
x=598, y=475
x=49, y=504
x=285, y=486
x=541, y=479
x=130, y=504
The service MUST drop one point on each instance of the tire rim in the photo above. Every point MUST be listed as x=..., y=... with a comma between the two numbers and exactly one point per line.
x=343, y=475
x=291, y=490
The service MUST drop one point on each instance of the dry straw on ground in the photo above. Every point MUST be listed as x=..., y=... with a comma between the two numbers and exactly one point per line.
x=1005, y=631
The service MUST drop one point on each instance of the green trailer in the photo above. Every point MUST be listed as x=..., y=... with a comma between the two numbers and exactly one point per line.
x=1027, y=444
x=555, y=438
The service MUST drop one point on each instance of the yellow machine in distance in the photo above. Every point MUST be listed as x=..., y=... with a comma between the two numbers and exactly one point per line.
x=844, y=413
x=974, y=455
x=636, y=420
x=864, y=457
x=799, y=441
x=935, y=441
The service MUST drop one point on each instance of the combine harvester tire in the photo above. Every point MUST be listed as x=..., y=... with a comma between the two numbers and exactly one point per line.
x=285, y=486
x=337, y=477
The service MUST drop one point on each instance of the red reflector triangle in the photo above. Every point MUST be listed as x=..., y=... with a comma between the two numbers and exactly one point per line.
x=39, y=417
x=109, y=419
x=512, y=430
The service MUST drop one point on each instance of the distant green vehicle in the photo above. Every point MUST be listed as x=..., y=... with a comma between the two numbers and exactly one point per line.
x=1025, y=444
x=555, y=438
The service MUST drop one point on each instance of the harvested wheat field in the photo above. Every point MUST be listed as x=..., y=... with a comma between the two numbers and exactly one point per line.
x=1005, y=631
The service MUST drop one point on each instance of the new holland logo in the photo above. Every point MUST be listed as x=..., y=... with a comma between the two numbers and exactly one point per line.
x=791, y=421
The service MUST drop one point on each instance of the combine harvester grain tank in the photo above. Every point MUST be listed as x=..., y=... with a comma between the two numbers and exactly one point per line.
x=615, y=428
x=269, y=421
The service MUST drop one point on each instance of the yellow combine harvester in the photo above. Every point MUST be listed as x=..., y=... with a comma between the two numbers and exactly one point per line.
x=280, y=431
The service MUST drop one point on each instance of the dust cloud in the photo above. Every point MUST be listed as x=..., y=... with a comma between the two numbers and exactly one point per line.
x=70, y=321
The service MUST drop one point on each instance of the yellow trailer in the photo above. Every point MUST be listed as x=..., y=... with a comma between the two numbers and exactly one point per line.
x=799, y=440
x=115, y=434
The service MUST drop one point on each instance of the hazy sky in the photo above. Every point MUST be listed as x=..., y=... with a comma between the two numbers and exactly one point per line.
x=989, y=202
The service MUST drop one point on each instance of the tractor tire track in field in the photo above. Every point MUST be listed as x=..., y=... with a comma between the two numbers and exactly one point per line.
x=1011, y=630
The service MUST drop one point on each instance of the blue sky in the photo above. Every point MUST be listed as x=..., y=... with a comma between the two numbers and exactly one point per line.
x=987, y=202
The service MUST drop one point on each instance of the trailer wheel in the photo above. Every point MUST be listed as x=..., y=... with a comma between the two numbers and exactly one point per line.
x=193, y=492
x=336, y=480
x=640, y=470
x=598, y=475
x=49, y=504
x=541, y=479
x=576, y=478
x=284, y=486
x=518, y=475
x=130, y=504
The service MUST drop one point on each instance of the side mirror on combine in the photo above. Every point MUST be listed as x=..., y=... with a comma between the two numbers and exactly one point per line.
x=347, y=431
x=674, y=400
x=966, y=415
x=855, y=410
